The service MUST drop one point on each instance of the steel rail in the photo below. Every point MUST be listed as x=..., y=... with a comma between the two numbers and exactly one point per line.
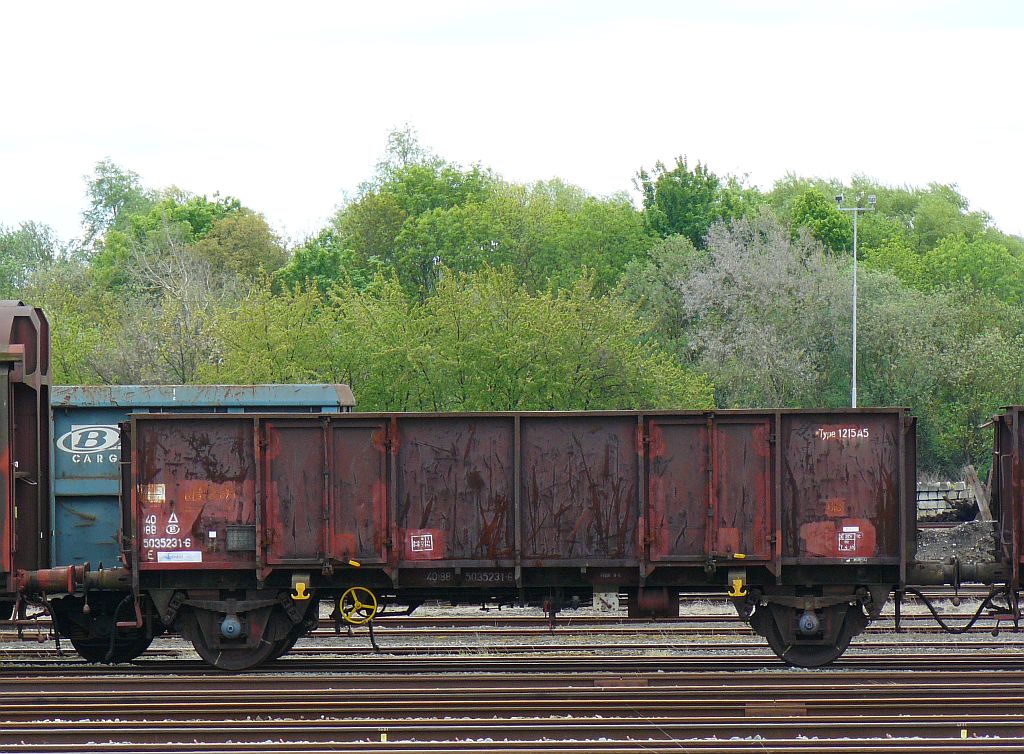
x=690, y=703
x=316, y=648
x=642, y=746
x=458, y=661
x=114, y=683
x=519, y=728
x=111, y=681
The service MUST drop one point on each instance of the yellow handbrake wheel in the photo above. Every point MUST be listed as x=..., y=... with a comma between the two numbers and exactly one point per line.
x=358, y=605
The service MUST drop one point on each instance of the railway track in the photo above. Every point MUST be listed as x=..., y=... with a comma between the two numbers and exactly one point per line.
x=536, y=696
x=658, y=640
x=757, y=659
x=524, y=636
x=709, y=625
x=450, y=684
x=718, y=625
x=800, y=745
x=778, y=711
x=520, y=729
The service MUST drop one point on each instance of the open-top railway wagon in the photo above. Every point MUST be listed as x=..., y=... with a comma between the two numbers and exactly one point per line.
x=237, y=526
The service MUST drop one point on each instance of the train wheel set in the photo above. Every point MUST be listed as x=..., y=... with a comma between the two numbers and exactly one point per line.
x=232, y=528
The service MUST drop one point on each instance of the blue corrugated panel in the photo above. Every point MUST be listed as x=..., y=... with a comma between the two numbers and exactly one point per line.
x=87, y=448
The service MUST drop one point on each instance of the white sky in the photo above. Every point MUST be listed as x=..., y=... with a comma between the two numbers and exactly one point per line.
x=287, y=105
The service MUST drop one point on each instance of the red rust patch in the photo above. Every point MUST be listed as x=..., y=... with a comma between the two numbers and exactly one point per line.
x=846, y=538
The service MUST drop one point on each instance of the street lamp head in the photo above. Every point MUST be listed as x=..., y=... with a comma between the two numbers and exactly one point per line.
x=871, y=200
x=839, y=199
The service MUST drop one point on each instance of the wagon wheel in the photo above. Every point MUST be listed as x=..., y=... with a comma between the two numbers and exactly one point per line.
x=358, y=605
x=300, y=629
x=283, y=647
x=231, y=657
x=127, y=646
x=815, y=655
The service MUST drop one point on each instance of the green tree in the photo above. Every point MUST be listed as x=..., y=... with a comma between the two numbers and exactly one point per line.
x=77, y=315
x=921, y=216
x=369, y=229
x=479, y=341
x=114, y=194
x=953, y=357
x=493, y=345
x=556, y=229
x=651, y=284
x=179, y=218
x=687, y=201
x=318, y=262
x=272, y=338
x=787, y=190
x=425, y=217
x=403, y=149
x=980, y=265
x=819, y=215
x=379, y=228
x=897, y=256
x=194, y=216
x=546, y=231
x=241, y=242
x=30, y=247
x=942, y=211
x=463, y=238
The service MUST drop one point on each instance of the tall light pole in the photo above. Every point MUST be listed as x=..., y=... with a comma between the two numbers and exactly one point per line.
x=855, y=211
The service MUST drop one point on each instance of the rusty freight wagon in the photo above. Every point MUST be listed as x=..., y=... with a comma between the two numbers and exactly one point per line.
x=239, y=525
x=24, y=446
x=1008, y=497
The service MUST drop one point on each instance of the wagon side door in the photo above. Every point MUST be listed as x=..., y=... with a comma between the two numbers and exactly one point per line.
x=842, y=492
x=743, y=519
x=709, y=488
x=678, y=465
x=294, y=490
x=358, y=490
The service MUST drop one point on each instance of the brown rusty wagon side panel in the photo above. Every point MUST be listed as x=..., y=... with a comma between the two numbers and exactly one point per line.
x=294, y=490
x=25, y=444
x=194, y=482
x=358, y=479
x=742, y=485
x=678, y=474
x=628, y=490
x=1008, y=488
x=454, y=488
x=842, y=486
x=710, y=491
x=579, y=486
x=1015, y=521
